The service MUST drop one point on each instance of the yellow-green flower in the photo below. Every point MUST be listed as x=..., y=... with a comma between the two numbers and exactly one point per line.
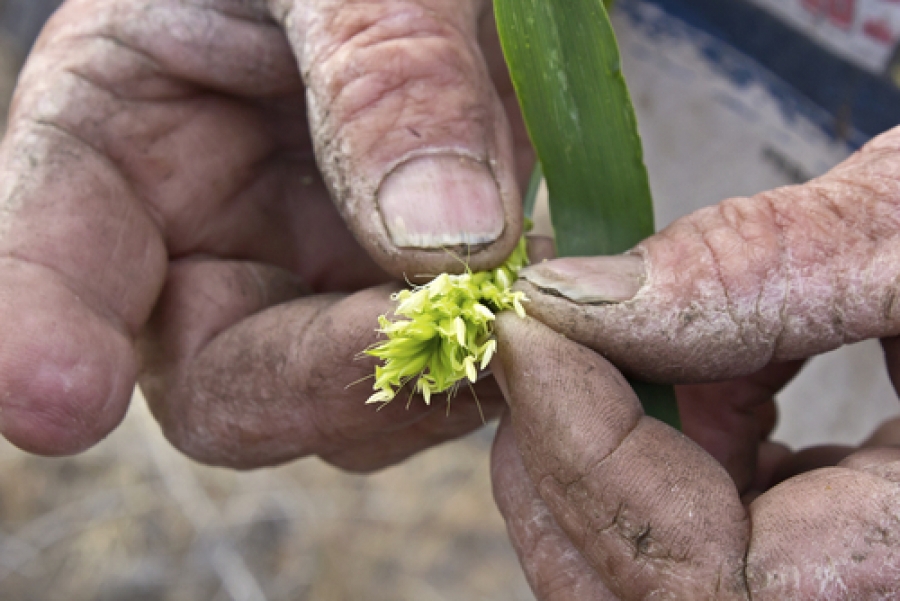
x=447, y=333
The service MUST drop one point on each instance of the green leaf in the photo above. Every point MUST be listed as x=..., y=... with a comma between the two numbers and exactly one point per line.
x=534, y=187
x=659, y=401
x=565, y=66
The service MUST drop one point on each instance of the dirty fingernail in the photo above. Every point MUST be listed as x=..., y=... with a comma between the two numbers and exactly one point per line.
x=590, y=280
x=441, y=200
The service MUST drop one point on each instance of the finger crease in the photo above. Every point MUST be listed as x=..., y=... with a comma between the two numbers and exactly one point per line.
x=156, y=218
x=91, y=299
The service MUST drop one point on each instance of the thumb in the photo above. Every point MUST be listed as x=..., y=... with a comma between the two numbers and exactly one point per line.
x=783, y=275
x=409, y=131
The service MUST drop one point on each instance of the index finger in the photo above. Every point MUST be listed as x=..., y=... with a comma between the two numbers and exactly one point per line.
x=553, y=566
x=81, y=262
x=723, y=292
x=656, y=517
x=648, y=509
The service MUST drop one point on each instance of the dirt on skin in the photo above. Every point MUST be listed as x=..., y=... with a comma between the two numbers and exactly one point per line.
x=134, y=520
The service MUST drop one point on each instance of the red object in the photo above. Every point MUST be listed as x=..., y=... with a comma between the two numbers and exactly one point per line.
x=839, y=12
x=842, y=12
x=879, y=30
x=816, y=7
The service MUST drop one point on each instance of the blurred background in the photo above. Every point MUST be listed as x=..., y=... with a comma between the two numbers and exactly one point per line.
x=133, y=520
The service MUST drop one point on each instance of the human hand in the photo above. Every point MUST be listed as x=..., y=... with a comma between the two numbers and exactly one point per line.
x=737, y=287
x=160, y=191
x=604, y=503
x=745, y=290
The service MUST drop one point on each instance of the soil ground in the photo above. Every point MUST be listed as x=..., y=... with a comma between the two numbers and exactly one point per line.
x=133, y=520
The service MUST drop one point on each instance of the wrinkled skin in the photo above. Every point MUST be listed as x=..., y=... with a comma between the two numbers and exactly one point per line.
x=603, y=502
x=165, y=210
x=721, y=293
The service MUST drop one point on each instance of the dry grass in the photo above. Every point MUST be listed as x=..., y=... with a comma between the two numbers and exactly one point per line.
x=133, y=520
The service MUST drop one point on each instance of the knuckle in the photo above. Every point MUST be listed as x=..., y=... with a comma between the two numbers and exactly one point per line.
x=197, y=425
x=182, y=414
x=54, y=429
x=220, y=423
x=740, y=286
x=68, y=381
x=392, y=59
x=60, y=417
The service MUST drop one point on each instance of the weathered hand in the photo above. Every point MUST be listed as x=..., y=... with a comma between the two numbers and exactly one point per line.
x=744, y=290
x=605, y=503
x=727, y=290
x=741, y=286
x=159, y=191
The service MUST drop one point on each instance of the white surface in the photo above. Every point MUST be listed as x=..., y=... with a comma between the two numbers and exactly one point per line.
x=839, y=398
x=846, y=28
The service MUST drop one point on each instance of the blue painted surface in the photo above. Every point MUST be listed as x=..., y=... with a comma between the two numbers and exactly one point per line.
x=854, y=101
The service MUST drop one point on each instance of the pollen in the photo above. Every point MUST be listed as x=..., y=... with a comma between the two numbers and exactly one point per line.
x=441, y=331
